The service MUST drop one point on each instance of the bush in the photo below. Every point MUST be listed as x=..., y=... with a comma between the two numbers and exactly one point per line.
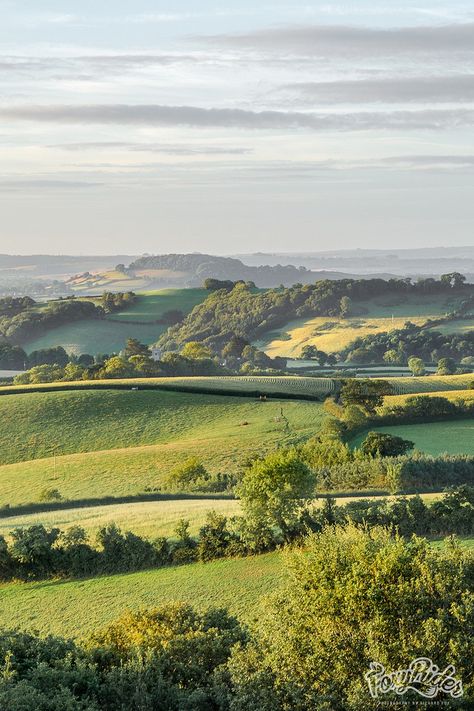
x=355, y=597
x=379, y=444
x=50, y=495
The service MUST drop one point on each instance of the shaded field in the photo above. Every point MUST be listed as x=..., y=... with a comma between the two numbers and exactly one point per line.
x=461, y=325
x=110, y=334
x=78, y=607
x=452, y=437
x=334, y=334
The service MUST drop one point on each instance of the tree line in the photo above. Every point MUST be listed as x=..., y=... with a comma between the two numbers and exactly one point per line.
x=270, y=519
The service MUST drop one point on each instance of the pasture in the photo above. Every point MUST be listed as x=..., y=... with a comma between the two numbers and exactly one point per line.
x=78, y=607
x=110, y=334
x=452, y=437
x=148, y=519
x=95, y=443
x=332, y=334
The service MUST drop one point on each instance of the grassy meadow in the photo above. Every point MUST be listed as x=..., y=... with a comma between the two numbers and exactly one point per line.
x=110, y=334
x=148, y=519
x=453, y=437
x=334, y=334
x=77, y=607
x=117, y=442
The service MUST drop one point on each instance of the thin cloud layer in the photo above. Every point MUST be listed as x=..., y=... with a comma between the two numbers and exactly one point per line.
x=348, y=40
x=196, y=117
x=399, y=90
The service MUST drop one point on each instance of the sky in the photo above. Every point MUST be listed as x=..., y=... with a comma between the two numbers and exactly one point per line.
x=235, y=126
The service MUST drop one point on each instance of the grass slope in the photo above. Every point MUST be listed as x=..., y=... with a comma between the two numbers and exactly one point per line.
x=332, y=334
x=435, y=438
x=125, y=441
x=109, y=335
x=78, y=607
x=34, y=423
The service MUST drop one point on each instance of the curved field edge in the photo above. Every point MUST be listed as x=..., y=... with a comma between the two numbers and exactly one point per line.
x=279, y=386
x=75, y=608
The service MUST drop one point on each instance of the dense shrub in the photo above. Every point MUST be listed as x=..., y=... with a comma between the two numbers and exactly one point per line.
x=355, y=597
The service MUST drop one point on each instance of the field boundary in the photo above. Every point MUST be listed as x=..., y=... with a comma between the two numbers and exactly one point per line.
x=47, y=506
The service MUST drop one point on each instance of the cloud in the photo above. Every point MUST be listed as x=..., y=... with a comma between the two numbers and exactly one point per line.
x=345, y=40
x=196, y=117
x=172, y=150
x=421, y=89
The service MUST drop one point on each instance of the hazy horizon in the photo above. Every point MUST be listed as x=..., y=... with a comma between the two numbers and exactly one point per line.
x=233, y=128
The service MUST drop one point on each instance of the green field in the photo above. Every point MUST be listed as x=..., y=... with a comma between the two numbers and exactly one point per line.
x=78, y=607
x=147, y=519
x=110, y=334
x=124, y=441
x=454, y=437
x=332, y=334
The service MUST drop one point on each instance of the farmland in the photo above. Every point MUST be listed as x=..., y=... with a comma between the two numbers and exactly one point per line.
x=110, y=334
x=119, y=441
x=77, y=607
x=452, y=395
x=455, y=437
x=294, y=387
x=148, y=519
x=334, y=334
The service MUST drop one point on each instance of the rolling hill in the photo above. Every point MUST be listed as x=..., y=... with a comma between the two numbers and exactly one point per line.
x=142, y=320
x=332, y=335
x=95, y=443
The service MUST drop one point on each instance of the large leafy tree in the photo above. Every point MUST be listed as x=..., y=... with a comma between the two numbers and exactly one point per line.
x=273, y=490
